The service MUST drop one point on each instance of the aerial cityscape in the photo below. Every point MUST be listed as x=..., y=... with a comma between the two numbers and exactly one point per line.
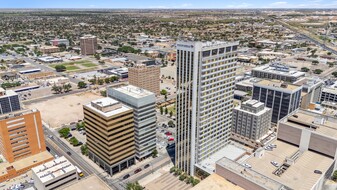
x=180, y=95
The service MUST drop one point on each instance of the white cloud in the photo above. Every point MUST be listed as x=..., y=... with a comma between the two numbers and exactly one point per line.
x=239, y=6
x=186, y=5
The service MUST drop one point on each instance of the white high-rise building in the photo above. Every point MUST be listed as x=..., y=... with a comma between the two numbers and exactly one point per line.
x=205, y=90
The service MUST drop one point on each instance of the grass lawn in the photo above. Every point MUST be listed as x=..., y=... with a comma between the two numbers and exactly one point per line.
x=71, y=67
x=75, y=65
x=88, y=64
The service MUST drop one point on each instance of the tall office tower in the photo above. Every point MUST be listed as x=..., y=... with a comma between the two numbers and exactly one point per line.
x=282, y=98
x=110, y=134
x=146, y=77
x=251, y=120
x=205, y=91
x=143, y=103
x=88, y=45
x=21, y=134
x=9, y=101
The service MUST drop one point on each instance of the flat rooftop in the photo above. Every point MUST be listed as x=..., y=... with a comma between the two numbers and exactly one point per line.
x=278, y=84
x=17, y=113
x=330, y=90
x=304, y=119
x=280, y=70
x=134, y=91
x=230, y=151
x=216, y=182
x=25, y=162
x=90, y=183
x=53, y=169
x=298, y=176
x=7, y=93
x=105, y=102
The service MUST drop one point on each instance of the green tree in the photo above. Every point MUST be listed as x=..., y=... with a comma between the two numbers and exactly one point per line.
x=161, y=110
x=100, y=81
x=60, y=68
x=107, y=80
x=81, y=84
x=163, y=92
x=170, y=123
x=171, y=113
x=315, y=62
x=97, y=56
x=173, y=169
x=166, y=111
x=57, y=89
x=114, y=78
x=103, y=93
x=84, y=149
x=305, y=69
x=73, y=141
x=64, y=132
x=317, y=71
x=134, y=186
x=334, y=74
x=195, y=182
x=67, y=87
x=80, y=125
x=154, y=153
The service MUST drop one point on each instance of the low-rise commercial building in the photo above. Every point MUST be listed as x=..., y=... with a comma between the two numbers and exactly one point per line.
x=54, y=174
x=143, y=103
x=22, y=166
x=9, y=101
x=285, y=167
x=49, y=49
x=110, y=134
x=57, y=42
x=277, y=71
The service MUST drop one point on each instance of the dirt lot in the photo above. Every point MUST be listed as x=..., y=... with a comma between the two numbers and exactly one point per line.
x=64, y=110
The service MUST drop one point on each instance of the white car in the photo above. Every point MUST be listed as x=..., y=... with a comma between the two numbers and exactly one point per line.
x=247, y=165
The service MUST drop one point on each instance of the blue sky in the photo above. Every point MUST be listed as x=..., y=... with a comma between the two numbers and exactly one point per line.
x=182, y=4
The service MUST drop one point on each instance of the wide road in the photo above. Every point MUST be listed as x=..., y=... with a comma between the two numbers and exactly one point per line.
x=60, y=148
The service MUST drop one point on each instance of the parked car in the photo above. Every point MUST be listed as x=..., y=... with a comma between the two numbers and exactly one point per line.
x=69, y=153
x=317, y=172
x=247, y=165
x=146, y=166
x=168, y=133
x=275, y=163
x=126, y=176
x=138, y=170
x=79, y=143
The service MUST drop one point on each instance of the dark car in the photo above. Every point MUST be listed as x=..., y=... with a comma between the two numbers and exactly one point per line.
x=48, y=149
x=69, y=153
x=146, y=166
x=138, y=170
x=126, y=176
x=79, y=143
x=317, y=172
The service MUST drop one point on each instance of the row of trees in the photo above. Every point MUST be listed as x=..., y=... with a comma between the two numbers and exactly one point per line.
x=162, y=110
x=58, y=89
x=102, y=81
x=184, y=177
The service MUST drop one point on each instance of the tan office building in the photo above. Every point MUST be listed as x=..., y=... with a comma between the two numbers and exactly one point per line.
x=146, y=77
x=110, y=134
x=88, y=45
x=21, y=135
x=49, y=49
